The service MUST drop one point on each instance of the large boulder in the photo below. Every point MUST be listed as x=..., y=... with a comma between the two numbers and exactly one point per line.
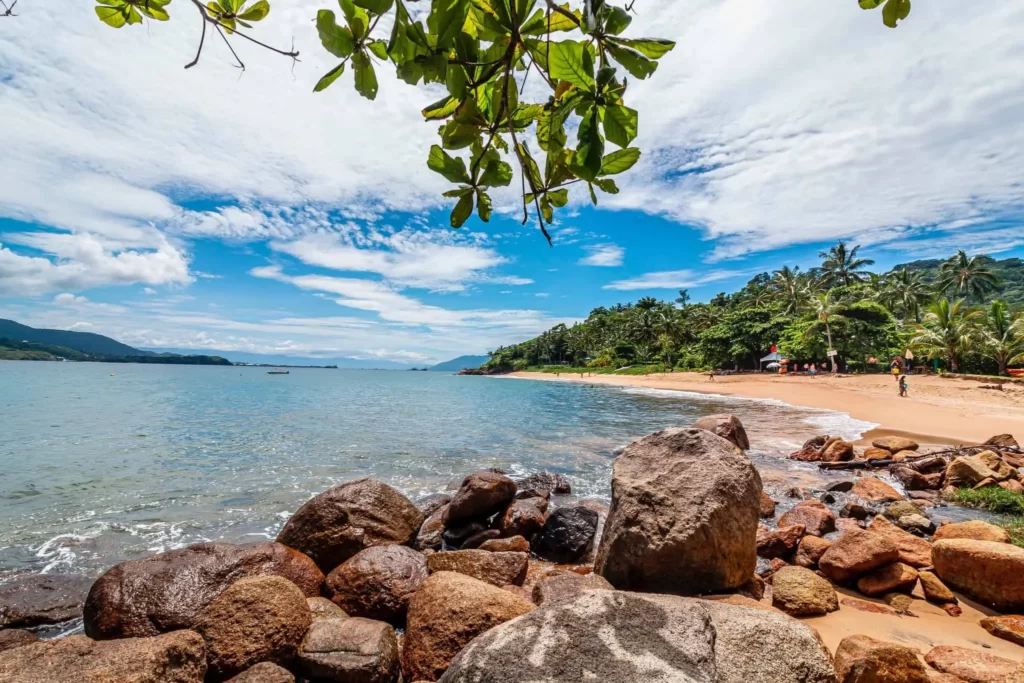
x=336, y=524
x=178, y=657
x=975, y=530
x=726, y=426
x=496, y=568
x=874, y=490
x=322, y=608
x=428, y=505
x=781, y=542
x=816, y=518
x=568, y=535
x=895, y=444
x=855, y=553
x=915, y=551
x=524, y=517
x=42, y=599
x=448, y=611
x=546, y=481
x=168, y=591
x=810, y=550
x=257, y=619
x=684, y=515
x=1008, y=627
x=377, y=583
x=353, y=650
x=561, y=587
x=973, y=666
x=862, y=659
x=11, y=638
x=991, y=573
x=837, y=451
x=431, y=533
x=481, y=495
x=892, y=578
x=934, y=589
x=264, y=672
x=802, y=593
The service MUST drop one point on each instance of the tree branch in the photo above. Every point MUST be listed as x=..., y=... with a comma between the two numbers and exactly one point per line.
x=8, y=11
x=206, y=17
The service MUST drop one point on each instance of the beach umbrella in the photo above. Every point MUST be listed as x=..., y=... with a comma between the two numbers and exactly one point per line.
x=772, y=366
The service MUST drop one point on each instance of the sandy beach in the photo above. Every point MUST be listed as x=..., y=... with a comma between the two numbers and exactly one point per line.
x=937, y=410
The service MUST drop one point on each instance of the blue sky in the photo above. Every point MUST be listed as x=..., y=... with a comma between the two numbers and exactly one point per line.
x=200, y=209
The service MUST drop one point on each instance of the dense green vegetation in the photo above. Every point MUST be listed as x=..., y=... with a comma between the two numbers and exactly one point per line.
x=86, y=342
x=992, y=498
x=951, y=311
x=20, y=350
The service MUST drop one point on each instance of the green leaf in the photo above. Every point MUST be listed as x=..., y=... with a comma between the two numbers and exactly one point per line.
x=559, y=198
x=455, y=135
x=497, y=174
x=634, y=62
x=545, y=208
x=441, y=109
x=532, y=171
x=375, y=6
x=616, y=21
x=154, y=11
x=452, y=168
x=655, y=48
x=462, y=210
x=329, y=77
x=446, y=20
x=537, y=25
x=366, y=77
x=525, y=114
x=483, y=205
x=620, y=124
x=894, y=10
x=870, y=4
x=593, y=195
x=134, y=17
x=336, y=39
x=619, y=161
x=111, y=16
x=456, y=81
x=608, y=185
x=379, y=48
x=256, y=12
x=398, y=41
x=590, y=147
x=357, y=18
x=551, y=131
x=571, y=61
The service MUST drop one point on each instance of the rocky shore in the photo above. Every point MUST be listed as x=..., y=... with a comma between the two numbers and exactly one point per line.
x=692, y=574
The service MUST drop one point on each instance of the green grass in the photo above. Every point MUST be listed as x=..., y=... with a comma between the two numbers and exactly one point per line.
x=1015, y=527
x=992, y=498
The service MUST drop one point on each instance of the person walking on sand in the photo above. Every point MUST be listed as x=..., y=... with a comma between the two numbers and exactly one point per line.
x=711, y=375
x=903, y=386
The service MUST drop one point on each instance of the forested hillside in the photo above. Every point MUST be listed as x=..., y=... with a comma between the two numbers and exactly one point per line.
x=86, y=342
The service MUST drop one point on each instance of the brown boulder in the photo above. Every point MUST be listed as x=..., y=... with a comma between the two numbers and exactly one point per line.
x=353, y=650
x=431, y=533
x=810, y=550
x=177, y=657
x=800, y=592
x=726, y=426
x=913, y=480
x=861, y=659
x=42, y=599
x=322, y=608
x=11, y=638
x=480, y=496
x=972, y=666
x=816, y=518
x=336, y=524
x=934, y=589
x=895, y=444
x=448, y=611
x=515, y=544
x=874, y=490
x=780, y=542
x=566, y=587
x=264, y=672
x=546, y=481
x=767, y=506
x=497, y=569
x=1002, y=441
x=855, y=553
x=975, y=530
x=875, y=453
x=377, y=583
x=915, y=551
x=1013, y=486
x=168, y=591
x=991, y=573
x=428, y=505
x=892, y=578
x=523, y=517
x=837, y=451
x=1008, y=627
x=806, y=454
x=684, y=515
x=257, y=619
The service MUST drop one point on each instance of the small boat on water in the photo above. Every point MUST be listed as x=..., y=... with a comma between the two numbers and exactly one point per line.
x=279, y=371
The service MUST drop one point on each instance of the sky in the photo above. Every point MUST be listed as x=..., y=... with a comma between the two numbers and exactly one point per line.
x=215, y=210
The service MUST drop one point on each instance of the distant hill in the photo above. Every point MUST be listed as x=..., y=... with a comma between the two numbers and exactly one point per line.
x=1010, y=272
x=11, y=349
x=460, y=363
x=294, y=361
x=85, y=342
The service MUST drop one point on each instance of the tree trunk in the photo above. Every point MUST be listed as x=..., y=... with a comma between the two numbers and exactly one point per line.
x=828, y=331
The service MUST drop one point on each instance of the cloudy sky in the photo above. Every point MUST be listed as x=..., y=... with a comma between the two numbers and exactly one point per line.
x=209, y=209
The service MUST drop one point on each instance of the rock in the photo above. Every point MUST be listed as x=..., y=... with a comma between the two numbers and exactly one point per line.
x=377, y=583
x=972, y=666
x=1002, y=441
x=991, y=573
x=1012, y=486
x=523, y=518
x=726, y=426
x=900, y=456
x=549, y=481
x=431, y=533
x=753, y=588
x=353, y=650
x=923, y=496
x=1009, y=627
x=567, y=536
x=42, y=599
x=428, y=505
x=861, y=659
x=479, y=538
x=322, y=608
x=767, y=506
x=837, y=451
x=168, y=591
x=264, y=672
x=802, y=593
x=566, y=587
x=481, y=495
x=892, y=578
x=855, y=553
x=916, y=524
x=257, y=619
x=177, y=657
x=497, y=569
x=817, y=519
x=894, y=444
x=515, y=544
x=844, y=524
x=455, y=535
x=934, y=589
x=952, y=609
x=913, y=550
x=781, y=542
x=523, y=494
x=806, y=454
x=448, y=612
x=976, y=530
x=855, y=509
x=15, y=637
x=900, y=602
x=684, y=516
x=913, y=480
x=875, y=453
x=971, y=470
x=343, y=520
x=810, y=550
x=874, y=490
x=901, y=508
x=816, y=441
x=844, y=486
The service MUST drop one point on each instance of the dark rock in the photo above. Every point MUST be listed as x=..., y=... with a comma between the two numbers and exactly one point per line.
x=353, y=650
x=343, y=520
x=42, y=599
x=817, y=519
x=892, y=578
x=264, y=672
x=726, y=426
x=855, y=509
x=549, y=481
x=816, y=441
x=844, y=486
x=481, y=495
x=567, y=536
x=454, y=535
x=479, y=538
x=15, y=637
x=428, y=505
x=431, y=533
x=523, y=518
x=523, y=494
x=168, y=591
x=377, y=583
x=497, y=569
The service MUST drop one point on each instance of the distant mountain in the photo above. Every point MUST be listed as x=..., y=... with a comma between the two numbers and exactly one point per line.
x=11, y=349
x=85, y=342
x=1010, y=272
x=460, y=363
x=341, y=362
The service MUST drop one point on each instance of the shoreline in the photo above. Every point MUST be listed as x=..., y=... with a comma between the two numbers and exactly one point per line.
x=937, y=411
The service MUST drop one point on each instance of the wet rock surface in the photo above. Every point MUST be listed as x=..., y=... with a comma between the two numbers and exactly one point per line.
x=481, y=495
x=567, y=535
x=354, y=650
x=42, y=599
x=377, y=583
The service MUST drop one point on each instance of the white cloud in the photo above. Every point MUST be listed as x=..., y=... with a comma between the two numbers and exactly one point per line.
x=673, y=279
x=603, y=255
x=148, y=290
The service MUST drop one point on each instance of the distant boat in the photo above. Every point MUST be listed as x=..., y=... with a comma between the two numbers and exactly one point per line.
x=278, y=372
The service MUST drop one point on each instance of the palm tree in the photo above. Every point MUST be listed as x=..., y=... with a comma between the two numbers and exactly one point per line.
x=947, y=330
x=643, y=326
x=787, y=281
x=907, y=291
x=826, y=310
x=841, y=266
x=966, y=277
x=1003, y=336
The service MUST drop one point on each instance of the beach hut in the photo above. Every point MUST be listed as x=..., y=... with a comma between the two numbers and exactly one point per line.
x=773, y=357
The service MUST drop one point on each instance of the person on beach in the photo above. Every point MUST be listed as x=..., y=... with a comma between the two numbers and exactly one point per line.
x=711, y=375
x=813, y=370
x=903, y=386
